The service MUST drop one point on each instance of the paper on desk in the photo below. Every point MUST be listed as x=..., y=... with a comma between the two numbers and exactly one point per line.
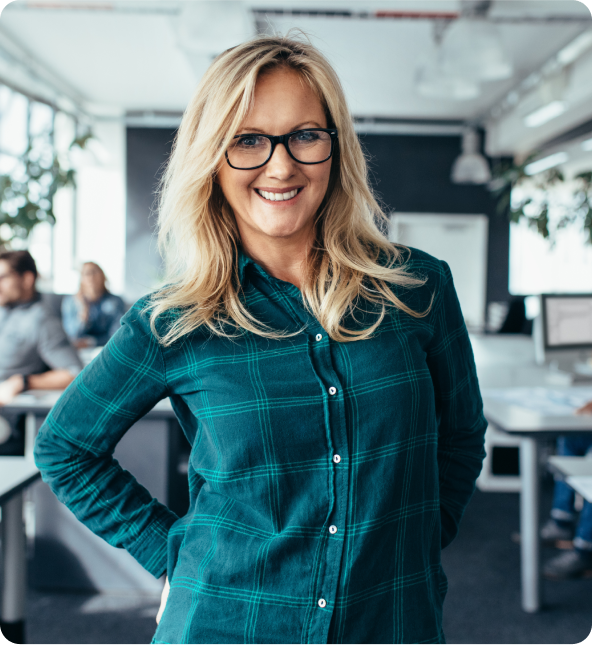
x=582, y=485
x=552, y=402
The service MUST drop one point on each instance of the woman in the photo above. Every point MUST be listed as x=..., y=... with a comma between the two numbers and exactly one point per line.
x=327, y=388
x=91, y=316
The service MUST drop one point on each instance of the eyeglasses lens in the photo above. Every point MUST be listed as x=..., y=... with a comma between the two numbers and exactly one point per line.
x=307, y=146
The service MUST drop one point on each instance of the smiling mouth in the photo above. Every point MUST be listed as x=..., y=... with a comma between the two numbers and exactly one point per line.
x=278, y=197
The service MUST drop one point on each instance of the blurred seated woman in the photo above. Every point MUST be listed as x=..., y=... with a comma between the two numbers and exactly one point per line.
x=92, y=315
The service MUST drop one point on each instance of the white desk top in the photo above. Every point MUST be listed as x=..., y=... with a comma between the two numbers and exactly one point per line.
x=577, y=471
x=538, y=410
x=15, y=473
x=42, y=401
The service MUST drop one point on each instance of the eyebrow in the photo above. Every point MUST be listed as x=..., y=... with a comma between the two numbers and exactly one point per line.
x=296, y=127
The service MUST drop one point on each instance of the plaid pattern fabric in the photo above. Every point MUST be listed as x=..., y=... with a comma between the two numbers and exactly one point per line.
x=324, y=477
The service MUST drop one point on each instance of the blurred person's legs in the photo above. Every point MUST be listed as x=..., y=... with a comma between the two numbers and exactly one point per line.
x=577, y=561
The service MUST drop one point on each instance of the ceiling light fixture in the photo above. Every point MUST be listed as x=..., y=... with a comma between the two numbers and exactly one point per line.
x=471, y=167
x=546, y=163
x=472, y=48
x=587, y=145
x=545, y=114
x=432, y=82
x=575, y=49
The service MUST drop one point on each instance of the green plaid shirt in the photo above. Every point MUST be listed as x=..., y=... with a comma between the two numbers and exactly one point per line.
x=324, y=477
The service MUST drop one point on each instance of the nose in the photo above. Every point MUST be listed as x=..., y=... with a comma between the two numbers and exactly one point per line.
x=281, y=165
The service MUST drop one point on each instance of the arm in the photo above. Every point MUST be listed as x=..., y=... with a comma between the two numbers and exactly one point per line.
x=75, y=445
x=461, y=424
x=56, y=352
x=52, y=380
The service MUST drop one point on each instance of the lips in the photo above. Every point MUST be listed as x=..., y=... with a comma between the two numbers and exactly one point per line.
x=277, y=196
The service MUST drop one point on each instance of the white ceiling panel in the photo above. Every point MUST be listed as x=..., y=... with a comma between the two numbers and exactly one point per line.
x=377, y=61
x=127, y=60
x=538, y=9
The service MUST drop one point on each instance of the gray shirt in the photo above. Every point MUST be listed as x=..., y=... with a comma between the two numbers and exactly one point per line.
x=32, y=340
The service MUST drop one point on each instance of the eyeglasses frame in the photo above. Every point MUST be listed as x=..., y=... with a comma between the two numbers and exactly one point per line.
x=283, y=138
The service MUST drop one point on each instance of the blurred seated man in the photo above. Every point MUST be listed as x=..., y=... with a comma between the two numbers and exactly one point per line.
x=562, y=523
x=34, y=350
x=92, y=315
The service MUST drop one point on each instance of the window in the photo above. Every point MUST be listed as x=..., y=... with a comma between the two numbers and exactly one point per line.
x=539, y=266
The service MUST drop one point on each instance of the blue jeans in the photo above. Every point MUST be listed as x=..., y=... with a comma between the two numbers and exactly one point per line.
x=563, y=498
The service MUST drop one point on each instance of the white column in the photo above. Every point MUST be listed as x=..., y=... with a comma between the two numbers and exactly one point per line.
x=529, y=525
x=14, y=560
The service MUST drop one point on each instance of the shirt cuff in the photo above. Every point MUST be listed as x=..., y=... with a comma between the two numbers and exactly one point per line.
x=150, y=550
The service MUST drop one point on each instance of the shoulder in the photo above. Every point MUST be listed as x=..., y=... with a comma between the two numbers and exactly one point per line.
x=434, y=274
x=421, y=263
x=69, y=302
x=139, y=313
x=139, y=317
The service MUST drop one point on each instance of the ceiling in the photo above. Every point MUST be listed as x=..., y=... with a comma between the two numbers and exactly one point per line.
x=115, y=56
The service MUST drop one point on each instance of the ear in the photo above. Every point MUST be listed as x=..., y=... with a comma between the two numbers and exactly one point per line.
x=28, y=280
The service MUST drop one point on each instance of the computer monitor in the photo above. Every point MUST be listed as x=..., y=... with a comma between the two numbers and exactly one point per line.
x=567, y=321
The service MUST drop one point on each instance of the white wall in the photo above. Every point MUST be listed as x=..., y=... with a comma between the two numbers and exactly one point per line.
x=96, y=230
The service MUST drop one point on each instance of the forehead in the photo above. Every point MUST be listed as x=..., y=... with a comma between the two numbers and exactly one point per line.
x=283, y=99
x=5, y=267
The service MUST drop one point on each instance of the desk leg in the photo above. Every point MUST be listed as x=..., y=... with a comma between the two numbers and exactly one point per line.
x=529, y=525
x=12, y=610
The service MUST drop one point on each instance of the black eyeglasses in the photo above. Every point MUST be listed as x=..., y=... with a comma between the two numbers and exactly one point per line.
x=311, y=146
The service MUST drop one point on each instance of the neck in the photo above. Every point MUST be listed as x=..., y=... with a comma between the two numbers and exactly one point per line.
x=27, y=296
x=282, y=258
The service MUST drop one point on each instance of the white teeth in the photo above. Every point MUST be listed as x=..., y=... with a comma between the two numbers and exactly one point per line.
x=277, y=197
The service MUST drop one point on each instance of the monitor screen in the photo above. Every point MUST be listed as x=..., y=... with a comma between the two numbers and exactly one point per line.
x=567, y=321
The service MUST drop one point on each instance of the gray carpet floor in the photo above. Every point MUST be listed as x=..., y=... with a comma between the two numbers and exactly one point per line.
x=482, y=606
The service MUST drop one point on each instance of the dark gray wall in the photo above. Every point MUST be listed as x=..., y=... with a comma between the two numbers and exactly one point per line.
x=147, y=152
x=410, y=173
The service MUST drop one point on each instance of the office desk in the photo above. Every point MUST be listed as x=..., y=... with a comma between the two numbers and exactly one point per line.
x=503, y=409
x=152, y=450
x=16, y=473
x=36, y=404
x=577, y=472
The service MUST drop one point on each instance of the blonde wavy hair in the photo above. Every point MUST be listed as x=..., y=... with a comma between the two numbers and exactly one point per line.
x=350, y=260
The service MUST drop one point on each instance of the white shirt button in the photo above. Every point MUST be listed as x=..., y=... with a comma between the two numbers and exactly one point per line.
x=332, y=529
x=319, y=337
x=332, y=391
x=322, y=602
x=336, y=458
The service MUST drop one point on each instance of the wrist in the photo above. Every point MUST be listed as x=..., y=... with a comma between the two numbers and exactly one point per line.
x=26, y=385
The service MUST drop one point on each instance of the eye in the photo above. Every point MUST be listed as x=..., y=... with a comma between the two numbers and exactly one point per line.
x=306, y=136
x=250, y=141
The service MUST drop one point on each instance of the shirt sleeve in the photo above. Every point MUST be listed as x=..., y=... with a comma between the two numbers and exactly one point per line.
x=54, y=347
x=459, y=407
x=74, y=447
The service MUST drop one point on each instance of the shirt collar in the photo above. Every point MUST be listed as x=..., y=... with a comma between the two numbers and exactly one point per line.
x=243, y=262
x=24, y=304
